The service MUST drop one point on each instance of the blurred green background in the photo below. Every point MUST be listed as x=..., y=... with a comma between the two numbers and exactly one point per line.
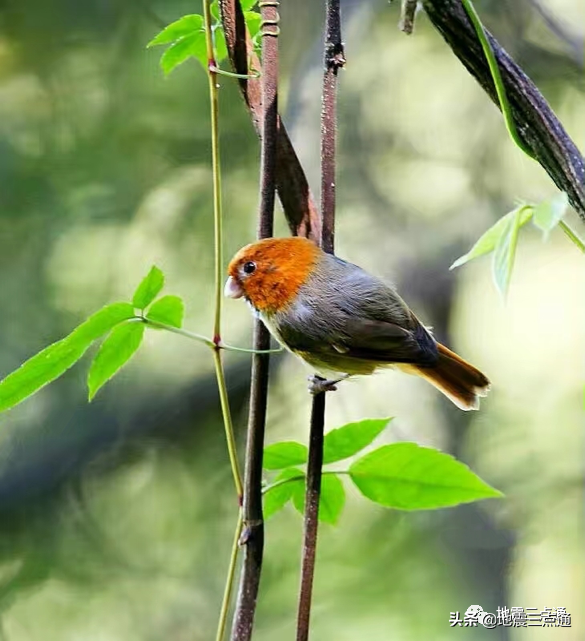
x=116, y=518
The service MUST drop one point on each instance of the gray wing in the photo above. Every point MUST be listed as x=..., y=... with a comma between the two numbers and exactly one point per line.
x=354, y=314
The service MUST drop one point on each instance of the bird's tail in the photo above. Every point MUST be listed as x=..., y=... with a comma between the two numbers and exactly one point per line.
x=459, y=381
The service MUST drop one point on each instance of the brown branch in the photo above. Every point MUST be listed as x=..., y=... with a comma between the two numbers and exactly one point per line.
x=407, y=16
x=334, y=59
x=292, y=185
x=253, y=525
x=537, y=124
x=312, y=499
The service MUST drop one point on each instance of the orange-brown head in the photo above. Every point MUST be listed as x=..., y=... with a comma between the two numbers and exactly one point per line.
x=270, y=272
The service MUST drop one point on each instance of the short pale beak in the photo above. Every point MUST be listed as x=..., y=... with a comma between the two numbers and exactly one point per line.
x=232, y=288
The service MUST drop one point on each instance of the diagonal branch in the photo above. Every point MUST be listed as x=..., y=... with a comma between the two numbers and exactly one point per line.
x=537, y=125
x=292, y=185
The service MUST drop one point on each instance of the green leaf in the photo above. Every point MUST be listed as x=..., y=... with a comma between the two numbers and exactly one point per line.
x=183, y=49
x=247, y=4
x=177, y=30
x=489, y=239
x=276, y=498
x=56, y=359
x=214, y=9
x=220, y=45
x=113, y=354
x=284, y=454
x=298, y=496
x=101, y=322
x=407, y=476
x=331, y=501
x=348, y=440
x=168, y=310
x=505, y=253
x=149, y=288
x=199, y=50
x=549, y=213
x=253, y=22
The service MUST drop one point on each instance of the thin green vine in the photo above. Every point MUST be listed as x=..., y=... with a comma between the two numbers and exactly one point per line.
x=497, y=77
x=220, y=374
x=232, y=74
x=218, y=242
x=280, y=482
x=572, y=236
x=229, y=584
x=204, y=339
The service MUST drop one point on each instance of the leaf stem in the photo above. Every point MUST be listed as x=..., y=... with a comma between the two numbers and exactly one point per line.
x=202, y=339
x=216, y=167
x=229, y=582
x=231, y=74
x=280, y=482
x=176, y=330
x=246, y=350
x=496, y=77
x=572, y=235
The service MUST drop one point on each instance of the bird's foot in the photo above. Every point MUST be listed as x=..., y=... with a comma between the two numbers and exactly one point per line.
x=318, y=384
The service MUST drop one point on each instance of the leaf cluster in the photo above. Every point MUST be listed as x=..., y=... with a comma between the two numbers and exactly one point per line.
x=502, y=238
x=123, y=325
x=403, y=476
x=186, y=37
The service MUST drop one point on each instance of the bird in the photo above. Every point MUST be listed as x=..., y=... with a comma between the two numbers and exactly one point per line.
x=343, y=321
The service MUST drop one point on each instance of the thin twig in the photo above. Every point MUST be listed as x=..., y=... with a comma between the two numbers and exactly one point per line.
x=312, y=498
x=537, y=125
x=253, y=530
x=407, y=16
x=334, y=59
x=572, y=236
x=202, y=339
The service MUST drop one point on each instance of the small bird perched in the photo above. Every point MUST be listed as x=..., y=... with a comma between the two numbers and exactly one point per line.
x=343, y=321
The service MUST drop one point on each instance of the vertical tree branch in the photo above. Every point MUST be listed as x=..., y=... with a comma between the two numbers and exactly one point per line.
x=312, y=498
x=334, y=60
x=253, y=531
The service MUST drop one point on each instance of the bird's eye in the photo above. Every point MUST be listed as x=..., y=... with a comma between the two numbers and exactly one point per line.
x=249, y=267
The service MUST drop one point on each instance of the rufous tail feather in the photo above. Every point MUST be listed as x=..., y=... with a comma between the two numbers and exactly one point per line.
x=459, y=381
